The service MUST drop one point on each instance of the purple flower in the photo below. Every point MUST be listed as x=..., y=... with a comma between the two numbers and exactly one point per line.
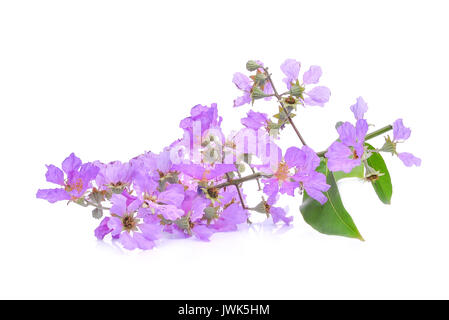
x=75, y=182
x=255, y=120
x=317, y=96
x=297, y=170
x=202, y=122
x=359, y=108
x=166, y=203
x=127, y=227
x=246, y=84
x=401, y=133
x=346, y=154
x=290, y=68
x=232, y=216
x=114, y=175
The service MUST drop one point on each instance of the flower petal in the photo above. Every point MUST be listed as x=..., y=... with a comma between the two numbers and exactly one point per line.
x=400, y=132
x=54, y=175
x=71, y=163
x=313, y=75
x=127, y=241
x=52, y=195
x=359, y=108
x=409, y=159
x=318, y=96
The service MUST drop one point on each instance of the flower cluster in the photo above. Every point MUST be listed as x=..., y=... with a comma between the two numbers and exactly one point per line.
x=195, y=186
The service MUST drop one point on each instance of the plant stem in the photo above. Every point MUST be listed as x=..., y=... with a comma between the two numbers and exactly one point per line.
x=367, y=137
x=238, y=191
x=89, y=203
x=278, y=97
x=236, y=182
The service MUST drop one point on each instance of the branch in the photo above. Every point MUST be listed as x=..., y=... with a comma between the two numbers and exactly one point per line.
x=236, y=182
x=278, y=96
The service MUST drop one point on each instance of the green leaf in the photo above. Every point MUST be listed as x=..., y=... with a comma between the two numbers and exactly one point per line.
x=332, y=217
x=357, y=172
x=382, y=185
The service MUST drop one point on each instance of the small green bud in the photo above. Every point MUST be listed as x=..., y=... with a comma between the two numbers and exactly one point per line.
x=247, y=157
x=241, y=167
x=97, y=213
x=370, y=173
x=389, y=146
x=259, y=79
x=338, y=124
x=210, y=213
x=257, y=93
x=252, y=65
x=262, y=207
x=184, y=224
x=297, y=91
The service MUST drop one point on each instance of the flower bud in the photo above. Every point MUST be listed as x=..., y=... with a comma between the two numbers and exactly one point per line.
x=370, y=173
x=257, y=93
x=252, y=65
x=297, y=91
x=389, y=146
x=259, y=79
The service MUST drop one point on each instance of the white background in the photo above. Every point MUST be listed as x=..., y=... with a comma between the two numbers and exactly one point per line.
x=110, y=79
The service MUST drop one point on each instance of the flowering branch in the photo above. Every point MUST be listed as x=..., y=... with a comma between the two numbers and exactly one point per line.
x=182, y=190
x=279, y=98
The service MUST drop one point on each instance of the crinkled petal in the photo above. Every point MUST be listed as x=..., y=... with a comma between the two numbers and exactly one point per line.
x=271, y=189
x=202, y=232
x=115, y=224
x=170, y=212
x=52, y=195
x=288, y=187
x=242, y=81
x=347, y=134
x=338, y=156
x=54, y=175
x=359, y=108
x=279, y=214
x=172, y=196
x=71, y=163
x=194, y=170
x=294, y=157
x=268, y=89
x=197, y=209
x=290, y=68
x=242, y=100
x=409, y=159
x=361, y=129
x=127, y=241
x=219, y=170
x=102, y=230
x=255, y=120
x=119, y=206
x=315, y=185
x=142, y=242
x=313, y=75
x=400, y=132
x=318, y=96
x=151, y=231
